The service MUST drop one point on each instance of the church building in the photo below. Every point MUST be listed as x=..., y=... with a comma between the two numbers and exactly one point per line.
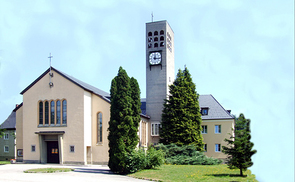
x=64, y=120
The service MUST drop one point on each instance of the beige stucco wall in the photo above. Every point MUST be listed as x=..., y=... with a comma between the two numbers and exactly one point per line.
x=62, y=89
x=100, y=154
x=211, y=138
x=19, y=131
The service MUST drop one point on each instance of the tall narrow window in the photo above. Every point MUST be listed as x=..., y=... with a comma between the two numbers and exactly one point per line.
x=217, y=148
x=40, y=113
x=46, y=112
x=217, y=128
x=99, y=128
x=58, y=112
x=204, y=129
x=64, y=112
x=52, y=112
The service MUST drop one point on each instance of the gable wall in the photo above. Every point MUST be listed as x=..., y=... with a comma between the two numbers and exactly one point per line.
x=62, y=89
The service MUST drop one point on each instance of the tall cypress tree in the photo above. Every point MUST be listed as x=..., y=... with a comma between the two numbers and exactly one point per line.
x=123, y=124
x=240, y=147
x=135, y=107
x=181, y=118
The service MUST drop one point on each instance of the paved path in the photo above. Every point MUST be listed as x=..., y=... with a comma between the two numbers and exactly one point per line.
x=14, y=172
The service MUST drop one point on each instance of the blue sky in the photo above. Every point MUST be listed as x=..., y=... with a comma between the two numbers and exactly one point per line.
x=241, y=52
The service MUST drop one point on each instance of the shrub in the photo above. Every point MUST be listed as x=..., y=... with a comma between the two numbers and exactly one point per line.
x=154, y=158
x=140, y=159
x=135, y=161
x=186, y=155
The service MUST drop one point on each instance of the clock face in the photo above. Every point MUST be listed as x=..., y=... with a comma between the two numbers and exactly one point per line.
x=155, y=58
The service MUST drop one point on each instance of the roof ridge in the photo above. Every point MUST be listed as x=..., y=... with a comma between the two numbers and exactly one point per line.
x=221, y=106
x=104, y=95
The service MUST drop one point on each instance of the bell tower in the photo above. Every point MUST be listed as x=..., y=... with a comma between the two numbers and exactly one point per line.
x=159, y=70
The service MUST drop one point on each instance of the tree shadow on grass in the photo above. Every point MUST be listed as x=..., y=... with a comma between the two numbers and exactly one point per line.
x=89, y=170
x=226, y=175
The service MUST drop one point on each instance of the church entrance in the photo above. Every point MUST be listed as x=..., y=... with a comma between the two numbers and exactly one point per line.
x=52, y=152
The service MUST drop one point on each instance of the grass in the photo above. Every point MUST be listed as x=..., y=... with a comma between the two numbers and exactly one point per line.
x=4, y=162
x=193, y=173
x=48, y=170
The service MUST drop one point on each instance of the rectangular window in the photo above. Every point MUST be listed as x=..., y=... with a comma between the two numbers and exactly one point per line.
x=6, y=148
x=217, y=128
x=33, y=148
x=204, y=111
x=72, y=148
x=20, y=152
x=205, y=147
x=6, y=136
x=204, y=129
x=155, y=129
x=217, y=147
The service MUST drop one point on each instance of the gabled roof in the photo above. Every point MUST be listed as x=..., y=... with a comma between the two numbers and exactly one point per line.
x=10, y=122
x=85, y=86
x=216, y=111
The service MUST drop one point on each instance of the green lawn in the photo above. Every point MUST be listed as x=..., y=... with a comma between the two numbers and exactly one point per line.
x=193, y=173
x=4, y=162
x=48, y=170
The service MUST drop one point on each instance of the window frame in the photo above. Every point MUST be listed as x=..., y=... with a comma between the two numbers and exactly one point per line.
x=64, y=111
x=58, y=112
x=46, y=112
x=204, y=111
x=99, y=128
x=40, y=113
x=155, y=131
x=33, y=148
x=217, y=147
x=72, y=147
x=217, y=129
x=205, y=147
x=6, y=136
x=52, y=112
x=204, y=127
x=6, y=146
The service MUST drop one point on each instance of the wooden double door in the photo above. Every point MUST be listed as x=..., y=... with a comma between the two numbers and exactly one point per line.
x=52, y=152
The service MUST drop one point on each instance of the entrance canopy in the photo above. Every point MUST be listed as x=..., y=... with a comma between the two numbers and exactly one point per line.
x=50, y=132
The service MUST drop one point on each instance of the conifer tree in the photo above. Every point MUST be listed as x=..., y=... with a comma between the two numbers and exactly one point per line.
x=123, y=124
x=181, y=117
x=135, y=107
x=240, y=147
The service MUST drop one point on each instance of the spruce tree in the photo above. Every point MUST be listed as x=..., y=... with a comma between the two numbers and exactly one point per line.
x=240, y=147
x=181, y=117
x=123, y=124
